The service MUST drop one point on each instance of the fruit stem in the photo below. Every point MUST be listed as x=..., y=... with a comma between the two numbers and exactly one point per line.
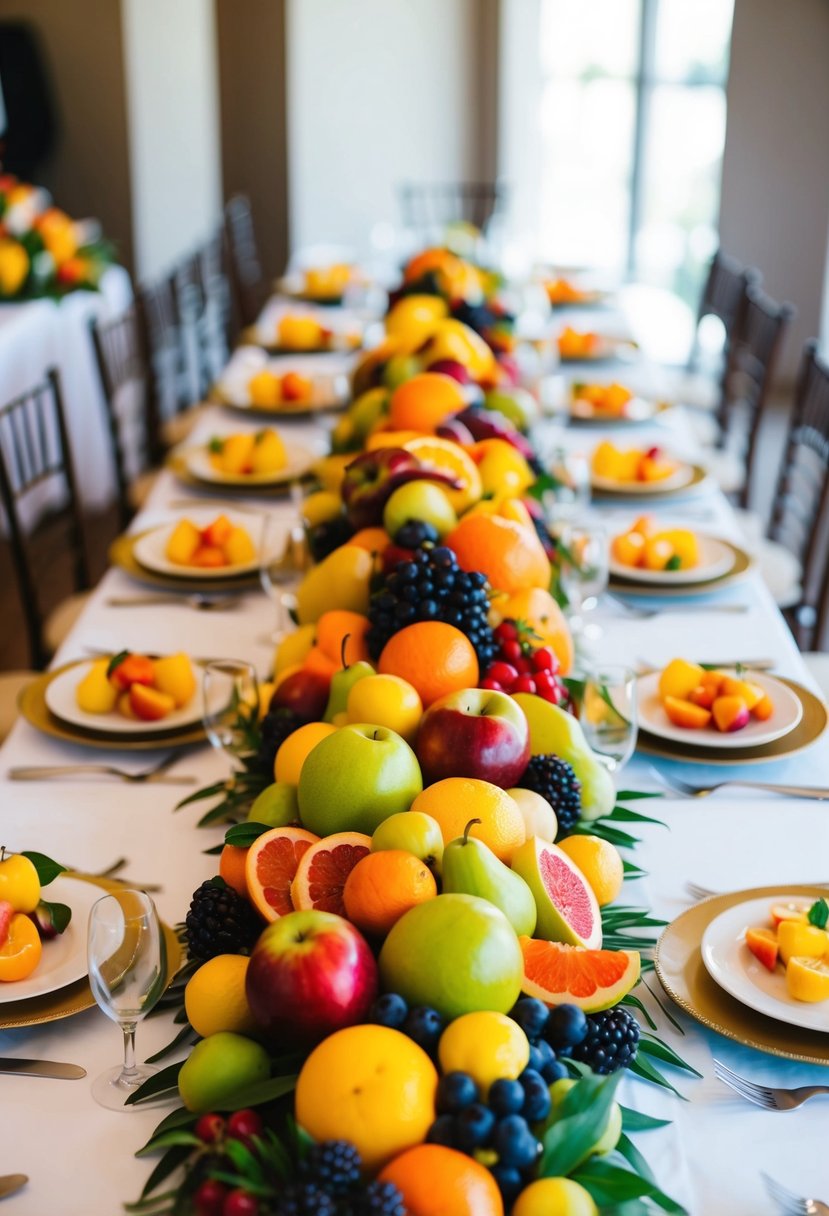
x=343, y=645
x=466, y=830
x=2, y=852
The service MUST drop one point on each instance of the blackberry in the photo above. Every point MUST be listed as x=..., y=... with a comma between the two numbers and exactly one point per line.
x=611, y=1042
x=220, y=922
x=274, y=729
x=555, y=780
x=379, y=1199
x=432, y=587
x=335, y=1164
x=305, y=1199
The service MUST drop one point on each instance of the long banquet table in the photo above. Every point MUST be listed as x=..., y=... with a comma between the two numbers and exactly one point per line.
x=80, y=1157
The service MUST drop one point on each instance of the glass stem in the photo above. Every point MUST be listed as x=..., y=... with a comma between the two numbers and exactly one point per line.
x=129, y=1070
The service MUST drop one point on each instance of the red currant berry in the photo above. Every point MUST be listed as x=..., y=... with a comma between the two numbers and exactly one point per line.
x=209, y=1198
x=511, y=650
x=243, y=1124
x=506, y=631
x=545, y=682
x=504, y=673
x=524, y=667
x=240, y=1203
x=543, y=659
x=524, y=684
x=210, y=1128
x=491, y=684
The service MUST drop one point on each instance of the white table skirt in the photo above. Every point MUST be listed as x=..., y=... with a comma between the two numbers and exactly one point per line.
x=80, y=1157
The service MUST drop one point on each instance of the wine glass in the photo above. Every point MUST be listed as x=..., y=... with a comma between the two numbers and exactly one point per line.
x=230, y=691
x=609, y=715
x=283, y=556
x=127, y=973
x=568, y=497
x=584, y=572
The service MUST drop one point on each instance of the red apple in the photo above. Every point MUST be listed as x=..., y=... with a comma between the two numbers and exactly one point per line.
x=452, y=429
x=451, y=367
x=372, y=477
x=305, y=693
x=310, y=973
x=476, y=732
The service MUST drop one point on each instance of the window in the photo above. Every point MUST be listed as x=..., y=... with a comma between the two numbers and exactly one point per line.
x=632, y=122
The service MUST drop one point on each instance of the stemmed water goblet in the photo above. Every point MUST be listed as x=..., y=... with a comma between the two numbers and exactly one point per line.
x=609, y=715
x=230, y=691
x=584, y=573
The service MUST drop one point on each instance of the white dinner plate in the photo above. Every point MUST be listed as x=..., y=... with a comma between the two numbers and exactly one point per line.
x=731, y=964
x=683, y=476
x=715, y=560
x=345, y=326
x=61, y=700
x=299, y=461
x=787, y=713
x=150, y=550
x=64, y=957
x=638, y=409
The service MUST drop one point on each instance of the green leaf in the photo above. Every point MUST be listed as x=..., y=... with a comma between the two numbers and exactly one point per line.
x=59, y=914
x=170, y=1161
x=819, y=913
x=242, y=835
x=611, y=1183
x=185, y=1035
x=642, y=1067
x=47, y=869
x=214, y=852
x=674, y=562
x=176, y=1118
x=209, y=791
x=258, y=1093
x=635, y=1121
x=630, y=795
x=582, y=1121
x=116, y=661
x=158, y=1083
x=168, y=1140
x=623, y=814
x=627, y=1149
x=655, y=1047
x=635, y=1003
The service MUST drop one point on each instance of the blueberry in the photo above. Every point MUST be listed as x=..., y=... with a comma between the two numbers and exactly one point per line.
x=506, y=1097
x=544, y=1053
x=514, y=1142
x=389, y=1010
x=424, y=1026
x=443, y=557
x=456, y=1090
x=442, y=1131
x=567, y=1026
x=509, y=1182
x=536, y=1096
x=554, y=1071
x=473, y=1127
x=536, y=1059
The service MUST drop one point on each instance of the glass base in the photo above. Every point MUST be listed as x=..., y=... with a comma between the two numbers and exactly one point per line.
x=112, y=1089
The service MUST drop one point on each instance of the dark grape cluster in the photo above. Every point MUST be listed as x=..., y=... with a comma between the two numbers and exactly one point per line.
x=220, y=922
x=520, y=666
x=555, y=780
x=331, y=1185
x=274, y=729
x=611, y=1042
x=432, y=587
x=422, y=1025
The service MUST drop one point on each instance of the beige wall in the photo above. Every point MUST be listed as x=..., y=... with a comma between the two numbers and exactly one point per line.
x=775, y=189
x=89, y=174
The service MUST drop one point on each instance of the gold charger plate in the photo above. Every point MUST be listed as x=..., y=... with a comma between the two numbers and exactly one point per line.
x=609, y=349
x=743, y=562
x=699, y=475
x=810, y=727
x=177, y=463
x=75, y=998
x=682, y=973
x=122, y=555
x=31, y=702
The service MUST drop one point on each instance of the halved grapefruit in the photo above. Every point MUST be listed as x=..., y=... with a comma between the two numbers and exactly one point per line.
x=567, y=908
x=270, y=866
x=567, y=975
x=321, y=874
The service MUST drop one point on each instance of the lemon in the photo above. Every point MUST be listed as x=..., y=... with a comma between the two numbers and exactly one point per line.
x=486, y=1045
x=214, y=998
x=802, y=941
x=217, y=1067
x=555, y=1197
x=807, y=979
x=599, y=861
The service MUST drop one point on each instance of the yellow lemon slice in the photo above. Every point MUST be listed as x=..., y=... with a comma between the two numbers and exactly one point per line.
x=807, y=979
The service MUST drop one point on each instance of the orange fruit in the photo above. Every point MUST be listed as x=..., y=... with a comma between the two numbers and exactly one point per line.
x=538, y=608
x=592, y=979
x=317, y=660
x=422, y=402
x=373, y=539
x=434, y=1181
x=270, y=866
x=372, y=1086
x=599, y=861
x=509, y=554
x=435, y=658
x=293, y=751
x=333, y=626
x=232, y=868
x=628, y=548
x=382, y=886
x=455, y=800
x=323, y=870
x=448, y=457
x=22, y=949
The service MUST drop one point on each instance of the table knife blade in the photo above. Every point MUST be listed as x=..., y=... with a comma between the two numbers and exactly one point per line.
x=10, y=1184
x=42, y=1068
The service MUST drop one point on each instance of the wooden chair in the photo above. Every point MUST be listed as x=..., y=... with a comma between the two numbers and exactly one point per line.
x=248, y=283
x=35, y=461
x=176, y=387
x=722, y=297
x=427, y=207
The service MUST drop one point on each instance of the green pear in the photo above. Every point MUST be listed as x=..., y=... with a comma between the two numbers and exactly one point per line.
x=342, y=683
x=554, y=731
x=469, y=867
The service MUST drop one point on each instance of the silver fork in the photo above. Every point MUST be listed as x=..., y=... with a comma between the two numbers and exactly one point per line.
x=791, y=1204
x=202, y=603
x=158, y=773
x=702, y=791
x=645, y=614
x=765, y=1095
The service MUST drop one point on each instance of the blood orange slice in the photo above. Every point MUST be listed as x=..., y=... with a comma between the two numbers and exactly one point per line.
x=567, y=908
x=321, y=874
x=592, y=979
x=270, y=867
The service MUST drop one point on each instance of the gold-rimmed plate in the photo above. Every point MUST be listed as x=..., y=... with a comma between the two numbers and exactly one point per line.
x=76, y=997
x=122, y=555
x=683, y=975
x=604, y=350
x=329, y=393
x=808, y=730
x=621, y=490
x=741, y=565
x=34, y=708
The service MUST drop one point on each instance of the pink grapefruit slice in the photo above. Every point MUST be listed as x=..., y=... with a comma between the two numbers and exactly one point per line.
x=567, y=908
x=270, y=866
x=592, y=979
x=321, y=874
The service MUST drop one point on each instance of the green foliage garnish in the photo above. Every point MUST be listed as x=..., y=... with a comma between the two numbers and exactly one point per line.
x=47, y=869
x=819, y=913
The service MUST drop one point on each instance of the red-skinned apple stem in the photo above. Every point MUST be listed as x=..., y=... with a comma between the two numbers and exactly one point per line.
x=466, y=830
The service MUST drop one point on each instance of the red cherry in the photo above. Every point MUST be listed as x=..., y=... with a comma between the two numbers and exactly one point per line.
x=524, y=667
x=524, y=684
x=244, y=1124
x=543, y=659
x=210, y=1128
x=491, y=684
x=506, y=631
x=511, y=650
x=504, y=673
x=545, y=682
x=209, y=1199
x=240, y=1203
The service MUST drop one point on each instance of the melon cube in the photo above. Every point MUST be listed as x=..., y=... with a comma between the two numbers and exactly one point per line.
x=686, y=714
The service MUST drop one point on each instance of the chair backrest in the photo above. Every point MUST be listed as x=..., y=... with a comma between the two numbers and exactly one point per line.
x=800, y=512
x=173, y=391
x=757, y=339
x=247, y=277
x=429, y=206
x=722, y=297
x=201, y=295
x=39, y=495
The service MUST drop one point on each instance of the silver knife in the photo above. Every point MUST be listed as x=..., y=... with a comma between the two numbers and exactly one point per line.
x=10, y=1184
x=42, y=1068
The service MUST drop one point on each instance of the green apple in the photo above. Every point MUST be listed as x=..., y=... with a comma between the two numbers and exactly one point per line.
x=354, y=779
x=519, y=406
x=217, y=1067
x=399, y=369
x=421, y=500
x=414, y=832
x=277, y=806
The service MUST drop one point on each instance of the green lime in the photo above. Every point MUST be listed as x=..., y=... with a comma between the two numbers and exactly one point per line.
x=276, y=806
x=217, y=1067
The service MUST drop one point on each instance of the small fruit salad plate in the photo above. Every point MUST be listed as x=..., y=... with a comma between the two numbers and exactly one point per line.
x=609, y=403
x=126, y=693
x=716, y=709
x=288, y=327
x=324, y=285
x=566, y=292
x=650, y=470
x=668, y=556
x=773, y=956
x=283, y=386
x=249, y=458
x=62, y=956
x=205, y=547
x=585, y=346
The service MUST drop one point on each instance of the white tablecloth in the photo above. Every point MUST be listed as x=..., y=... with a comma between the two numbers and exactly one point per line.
x=80, y=1157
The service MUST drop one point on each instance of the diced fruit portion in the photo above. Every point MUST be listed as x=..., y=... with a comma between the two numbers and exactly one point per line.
x=781, y=912
x=680, y=678
x=136, y=686
x=247, y=454
x=763, y=945
x=617, y=464
x=183, y=543
x=592, y=979
x=239, y=548
x=609, y=400
x=729, y=701
x=686, y=714
x=794, y=938
x=807, y=979
x=96, y=694
x=730, y=713
x=174, y=676
x=149, y=704
x=21, y=951
x=220, y=543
